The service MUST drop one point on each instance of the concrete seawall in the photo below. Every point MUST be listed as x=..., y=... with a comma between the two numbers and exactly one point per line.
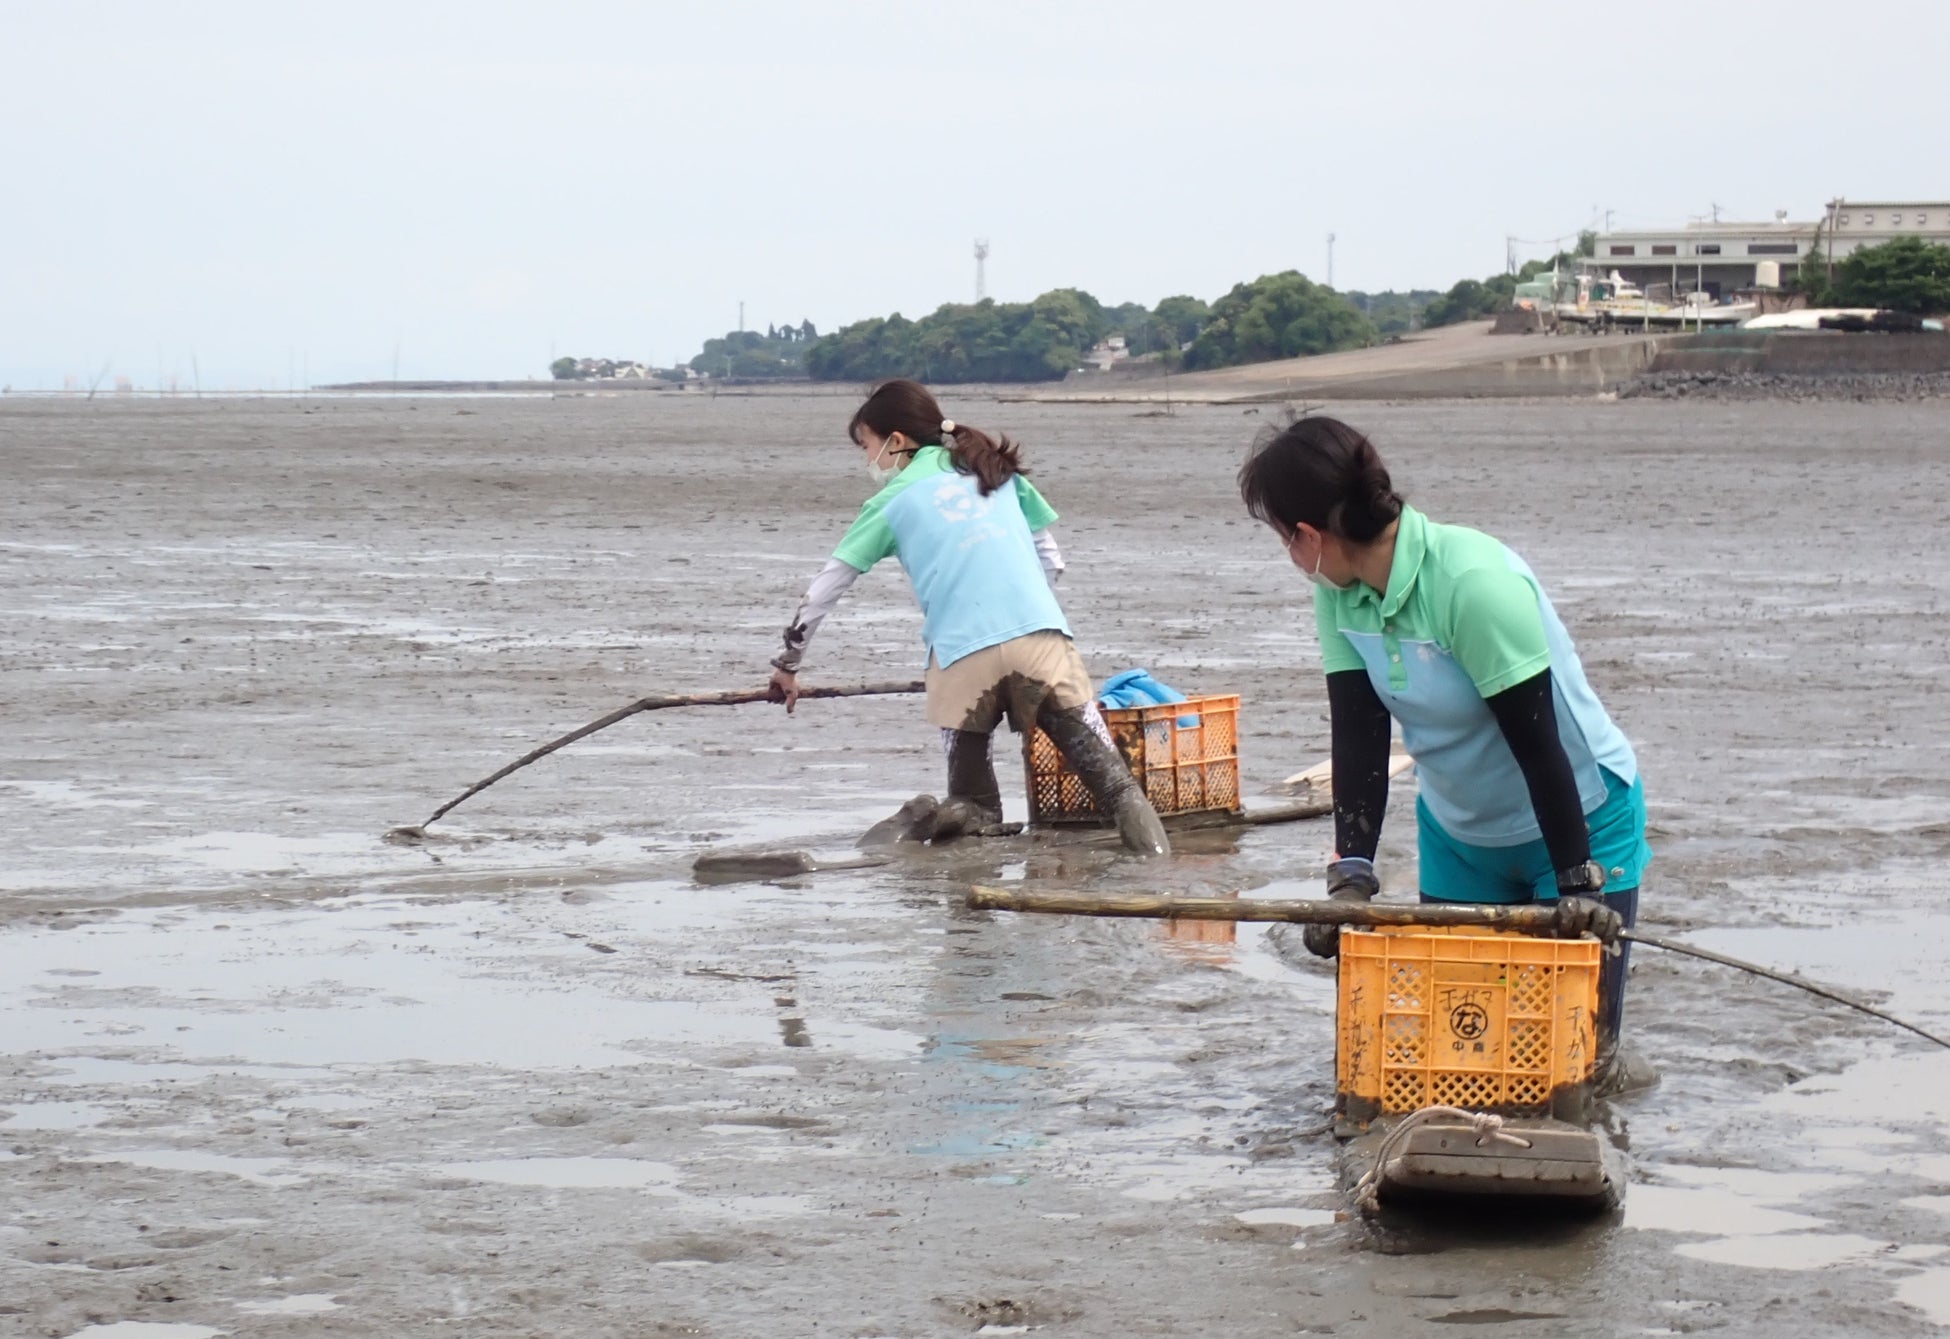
x=1803, y=353
x=1454, y=362
x=1567, y=369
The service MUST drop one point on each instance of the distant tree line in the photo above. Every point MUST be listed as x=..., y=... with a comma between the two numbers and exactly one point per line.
x=1044, y=340
x=779, y=352
x=1284, y=315
x=1041, y=340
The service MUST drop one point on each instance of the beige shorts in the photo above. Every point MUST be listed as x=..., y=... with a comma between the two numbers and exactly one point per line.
x=1012, y=679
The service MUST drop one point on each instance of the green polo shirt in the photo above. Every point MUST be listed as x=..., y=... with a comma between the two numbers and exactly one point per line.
x=1463, y=619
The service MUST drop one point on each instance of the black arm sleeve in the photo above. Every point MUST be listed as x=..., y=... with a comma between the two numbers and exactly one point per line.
x=1527, y=714
x=1360, y=755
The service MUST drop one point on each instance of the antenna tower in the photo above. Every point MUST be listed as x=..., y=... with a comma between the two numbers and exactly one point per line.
x=981, y=268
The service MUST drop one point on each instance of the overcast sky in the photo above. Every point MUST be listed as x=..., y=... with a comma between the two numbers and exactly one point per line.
x=287, y=189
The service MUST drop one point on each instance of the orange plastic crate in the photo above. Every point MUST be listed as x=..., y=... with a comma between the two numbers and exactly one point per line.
x=1185, y=769
x=1464, y=1017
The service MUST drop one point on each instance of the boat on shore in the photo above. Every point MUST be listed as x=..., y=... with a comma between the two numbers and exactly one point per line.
x=1612, y=301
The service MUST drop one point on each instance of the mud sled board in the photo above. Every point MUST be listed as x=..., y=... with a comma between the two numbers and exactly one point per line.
x=1434, y=1158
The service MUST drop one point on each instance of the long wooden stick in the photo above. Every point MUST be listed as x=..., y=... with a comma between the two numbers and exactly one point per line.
x=1529, y=917
x=1292, y=911
x=656, y=702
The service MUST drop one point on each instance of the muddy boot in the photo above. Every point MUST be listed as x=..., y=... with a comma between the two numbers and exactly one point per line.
x=974, y=804
x=1111, y=784
x=1622, y=1070
x=912, y=822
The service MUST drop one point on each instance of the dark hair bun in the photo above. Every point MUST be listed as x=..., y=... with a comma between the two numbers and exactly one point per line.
x=1323, y=473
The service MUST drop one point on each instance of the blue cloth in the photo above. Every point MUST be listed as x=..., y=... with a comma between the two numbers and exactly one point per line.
x=1457, y=871
x=1136, y=688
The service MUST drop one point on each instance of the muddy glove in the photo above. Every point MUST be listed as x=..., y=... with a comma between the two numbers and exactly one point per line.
x=1349, y=880
x=1586, y=915
x=784, y=687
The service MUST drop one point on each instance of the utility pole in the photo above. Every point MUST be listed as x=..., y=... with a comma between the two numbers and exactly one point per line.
x=1330, y=260
x=981, y=268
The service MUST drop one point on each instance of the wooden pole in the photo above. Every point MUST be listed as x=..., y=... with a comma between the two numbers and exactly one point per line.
x=656, y=702
x=1531, y=918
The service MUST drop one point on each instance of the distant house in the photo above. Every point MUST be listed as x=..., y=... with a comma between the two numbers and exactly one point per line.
x=1108, y=353
x=613, y=369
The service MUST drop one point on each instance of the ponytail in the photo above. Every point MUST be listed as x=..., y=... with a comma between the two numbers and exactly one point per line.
x=907, y=407
x=993, y=461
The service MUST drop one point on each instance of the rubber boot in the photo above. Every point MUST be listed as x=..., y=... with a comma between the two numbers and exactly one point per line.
x=1109, y=780
x=974, y=804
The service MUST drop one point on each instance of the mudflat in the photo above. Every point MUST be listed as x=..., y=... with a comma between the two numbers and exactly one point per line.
x=265, y=1073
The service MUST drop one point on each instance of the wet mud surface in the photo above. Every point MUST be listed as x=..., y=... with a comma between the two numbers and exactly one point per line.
x=265, y=1073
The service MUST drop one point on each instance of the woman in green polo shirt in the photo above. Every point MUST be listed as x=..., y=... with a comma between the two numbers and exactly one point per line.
x=1529, y=792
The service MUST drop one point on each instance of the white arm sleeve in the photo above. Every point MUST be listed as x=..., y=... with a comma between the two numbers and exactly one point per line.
x=1048, y=554
x=822, y=597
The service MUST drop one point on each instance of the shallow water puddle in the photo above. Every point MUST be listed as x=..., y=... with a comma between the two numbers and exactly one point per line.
x=55, y=1116
x=1286, y=1217
x=1174, y=1178
x=364, y=984
x=304, y=1304
x=1929, y=1293
x=570, y=1173
x=1792, y=1251
x=257, y=1170
x=1895, y=967
x=1911, y=1087
x=1706, y=1212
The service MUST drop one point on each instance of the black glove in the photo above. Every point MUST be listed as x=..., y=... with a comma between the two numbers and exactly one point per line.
x=1587, y=916
x=1349, y=880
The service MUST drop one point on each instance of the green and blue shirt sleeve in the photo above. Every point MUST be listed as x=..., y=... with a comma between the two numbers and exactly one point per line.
x=1035, y=509
x=869, y=538
x=1337, y=653
x=1496, y=628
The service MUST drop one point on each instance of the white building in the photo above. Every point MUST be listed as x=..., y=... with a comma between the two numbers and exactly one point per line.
x=1718, y=257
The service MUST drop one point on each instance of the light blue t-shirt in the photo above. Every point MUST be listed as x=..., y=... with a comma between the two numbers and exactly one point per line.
x=1463, y=619
x=971, y=559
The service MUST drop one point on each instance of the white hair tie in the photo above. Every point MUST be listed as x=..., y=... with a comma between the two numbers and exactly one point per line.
x=947, y=427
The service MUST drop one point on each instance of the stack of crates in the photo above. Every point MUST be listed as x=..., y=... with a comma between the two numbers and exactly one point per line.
x=1185, y=754
x=1486, y=1020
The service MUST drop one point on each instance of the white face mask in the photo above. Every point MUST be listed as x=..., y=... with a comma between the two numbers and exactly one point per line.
x=1315, y=575
x=1319, y=579
x=878, y=472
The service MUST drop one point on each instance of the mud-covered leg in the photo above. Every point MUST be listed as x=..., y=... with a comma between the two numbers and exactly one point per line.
x=974, y=804
x=1615, y=1070
x=1096, y=760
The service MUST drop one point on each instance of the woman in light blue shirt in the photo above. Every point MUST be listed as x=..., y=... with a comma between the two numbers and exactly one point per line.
x=956, y=507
